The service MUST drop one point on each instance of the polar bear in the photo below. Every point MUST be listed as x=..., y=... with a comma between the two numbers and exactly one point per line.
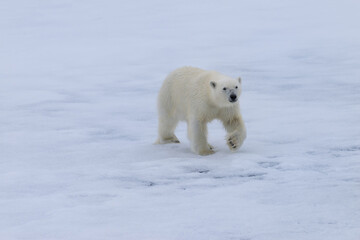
x=198, y=96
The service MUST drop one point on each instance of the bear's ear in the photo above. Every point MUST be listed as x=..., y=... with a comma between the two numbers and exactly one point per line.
x=213, y=84
x=239, y=79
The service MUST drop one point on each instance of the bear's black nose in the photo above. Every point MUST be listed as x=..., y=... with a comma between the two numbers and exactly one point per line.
x=233, y=97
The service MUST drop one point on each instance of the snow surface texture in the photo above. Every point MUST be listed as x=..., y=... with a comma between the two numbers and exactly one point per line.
x=79, y=81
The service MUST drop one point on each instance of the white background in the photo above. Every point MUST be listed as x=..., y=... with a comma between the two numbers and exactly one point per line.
x=78, y=87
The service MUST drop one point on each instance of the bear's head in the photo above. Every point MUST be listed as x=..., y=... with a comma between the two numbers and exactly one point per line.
x=225, y=91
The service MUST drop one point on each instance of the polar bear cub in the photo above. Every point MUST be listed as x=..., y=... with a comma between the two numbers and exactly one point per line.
x=198, y=96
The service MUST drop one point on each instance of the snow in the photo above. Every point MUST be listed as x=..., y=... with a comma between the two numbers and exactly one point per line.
x=79, y=81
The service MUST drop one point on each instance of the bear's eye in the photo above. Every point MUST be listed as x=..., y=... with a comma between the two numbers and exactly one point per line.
x=224, y=88
x=236, y=87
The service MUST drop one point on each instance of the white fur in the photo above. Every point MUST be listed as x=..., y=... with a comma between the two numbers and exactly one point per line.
x=187, y=95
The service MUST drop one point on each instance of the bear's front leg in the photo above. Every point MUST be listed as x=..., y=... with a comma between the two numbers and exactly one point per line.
x=197, y=131
x=235, y=139
x=236, y=132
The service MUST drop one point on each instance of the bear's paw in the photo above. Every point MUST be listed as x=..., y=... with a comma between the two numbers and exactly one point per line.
x=235, y=140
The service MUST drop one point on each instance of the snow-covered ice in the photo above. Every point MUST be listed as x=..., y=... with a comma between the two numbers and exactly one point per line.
x=78, y=87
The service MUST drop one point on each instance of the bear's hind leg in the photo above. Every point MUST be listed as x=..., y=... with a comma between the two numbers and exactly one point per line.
x=167, y=127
